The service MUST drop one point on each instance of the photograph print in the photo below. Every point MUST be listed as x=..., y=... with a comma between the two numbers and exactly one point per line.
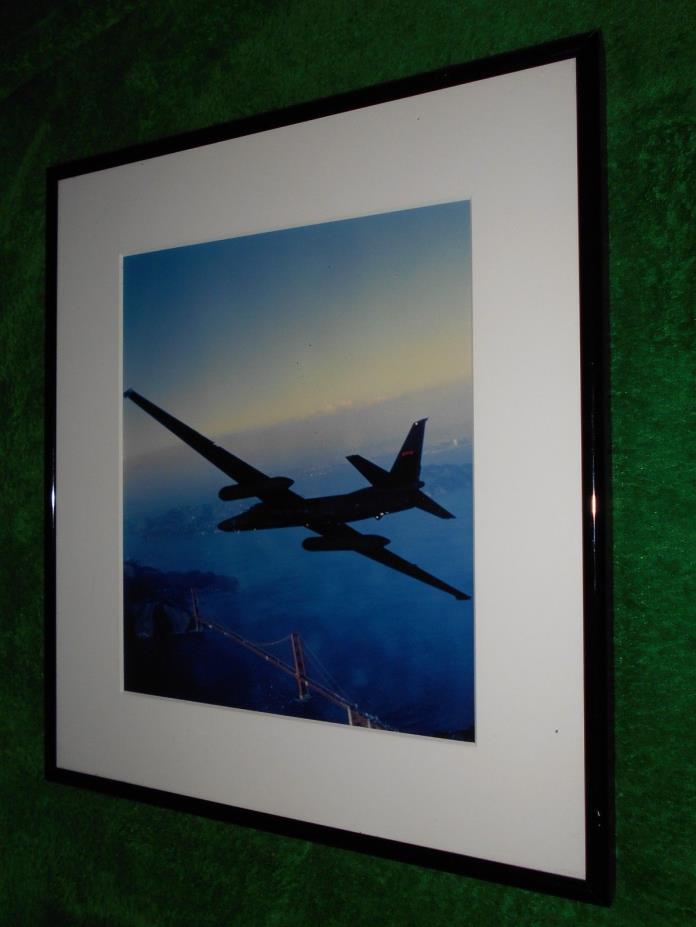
x=297, y=491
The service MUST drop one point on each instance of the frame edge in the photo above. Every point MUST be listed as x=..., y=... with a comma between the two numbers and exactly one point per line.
x=598, y=885
x=594, y=333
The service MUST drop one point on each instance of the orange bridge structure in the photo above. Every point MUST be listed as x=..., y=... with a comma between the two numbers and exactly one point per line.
x=297, y=669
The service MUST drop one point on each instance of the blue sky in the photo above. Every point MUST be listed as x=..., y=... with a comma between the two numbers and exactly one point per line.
x=251, y=332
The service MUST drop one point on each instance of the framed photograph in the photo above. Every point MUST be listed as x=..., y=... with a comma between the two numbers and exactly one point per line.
x=327, y=493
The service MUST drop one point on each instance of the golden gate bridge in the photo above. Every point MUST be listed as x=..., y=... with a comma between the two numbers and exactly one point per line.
x=306, y=684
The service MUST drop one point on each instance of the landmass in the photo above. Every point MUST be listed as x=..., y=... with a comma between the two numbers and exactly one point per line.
x=156, y=603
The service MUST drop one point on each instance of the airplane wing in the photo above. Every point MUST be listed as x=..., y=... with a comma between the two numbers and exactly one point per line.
x=343, y=537
x=232, y=466
x=272, y=489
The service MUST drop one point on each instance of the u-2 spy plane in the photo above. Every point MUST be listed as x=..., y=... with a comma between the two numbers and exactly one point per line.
x=390, y=491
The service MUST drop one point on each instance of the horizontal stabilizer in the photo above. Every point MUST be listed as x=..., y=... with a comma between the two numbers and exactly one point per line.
x=372, y=473
x=429, y=505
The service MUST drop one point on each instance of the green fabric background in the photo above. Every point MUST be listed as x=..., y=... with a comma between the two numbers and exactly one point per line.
x=78, y=78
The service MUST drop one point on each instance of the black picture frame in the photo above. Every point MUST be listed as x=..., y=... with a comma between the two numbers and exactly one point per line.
x=596, y=885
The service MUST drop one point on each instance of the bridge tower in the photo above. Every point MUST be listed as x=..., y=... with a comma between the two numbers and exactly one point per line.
x=299, y=665
x=357, y=718
x=195, y=622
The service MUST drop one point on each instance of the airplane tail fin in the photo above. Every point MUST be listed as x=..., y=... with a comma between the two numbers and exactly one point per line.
x=406, y=467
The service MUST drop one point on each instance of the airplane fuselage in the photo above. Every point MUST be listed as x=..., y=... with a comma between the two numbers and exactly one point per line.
x=329, y=510
x=393, y=490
